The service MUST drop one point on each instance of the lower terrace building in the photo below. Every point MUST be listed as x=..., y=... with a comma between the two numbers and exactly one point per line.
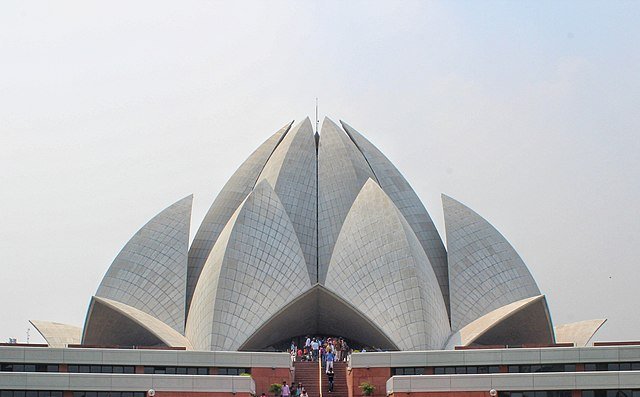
x=608, y=370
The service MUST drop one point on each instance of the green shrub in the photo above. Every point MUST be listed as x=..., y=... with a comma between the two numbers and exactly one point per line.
x=367, y=388
x=275, y=388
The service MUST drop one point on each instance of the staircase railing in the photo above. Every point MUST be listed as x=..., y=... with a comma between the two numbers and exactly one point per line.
x=320, y=376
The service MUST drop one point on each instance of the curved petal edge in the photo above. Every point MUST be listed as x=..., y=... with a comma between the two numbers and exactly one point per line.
x=58, y=334
x=150, y=273
x=378, y=265
x=522, y=322
x=485, y=271
x=111, y=323
x=578, y=333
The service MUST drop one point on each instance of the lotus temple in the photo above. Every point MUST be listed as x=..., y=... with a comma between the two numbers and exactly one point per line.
x=318, y=233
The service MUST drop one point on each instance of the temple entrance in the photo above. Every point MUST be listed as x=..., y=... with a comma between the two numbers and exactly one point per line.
x=318, y=312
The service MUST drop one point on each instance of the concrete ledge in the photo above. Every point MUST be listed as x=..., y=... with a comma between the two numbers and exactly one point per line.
x=544, y=355
x=183, y=358
x=533, y=381
x=126, y=382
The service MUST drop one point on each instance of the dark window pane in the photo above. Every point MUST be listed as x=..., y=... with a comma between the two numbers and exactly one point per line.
x=203, y=371
x=450, y=370
x=461, y=370
x=29, y=368
x=95, y=369
x=438, y=371
x=170, y=370
x=419, y=371
x=612, y=393
x=31, y=393
x=92, y=394
x=625, y=366
x=117, y=369
x=103, y=394
x=602, y=367
x=44, y=393
x=107, y=369
x=494, y=369
x=590, y=367
x=19, y=393
x=613, y=367
x=472, y=370
x=53, y=368
x=569, y=368
x=514, y=368
x=540, y=394
x=409, y=371
x=56, y=394
x=148, y=370
x=139, y=394
x=483, y=370
x=181, y=371
x=516, y=394
x=192, y=371
x=84, y=369
x=129, y=369
x=636, y=393
x=600, y=393
x=6, y=393
x=127, y=394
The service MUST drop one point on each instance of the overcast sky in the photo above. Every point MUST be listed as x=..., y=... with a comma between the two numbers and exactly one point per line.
x=528, y=112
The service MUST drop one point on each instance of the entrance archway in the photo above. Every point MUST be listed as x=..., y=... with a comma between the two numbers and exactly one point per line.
x=318, y=312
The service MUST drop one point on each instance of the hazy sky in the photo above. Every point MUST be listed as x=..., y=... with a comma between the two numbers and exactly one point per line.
x=528, y=112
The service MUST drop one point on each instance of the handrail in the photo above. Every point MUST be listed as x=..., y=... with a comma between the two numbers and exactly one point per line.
x=320, y=376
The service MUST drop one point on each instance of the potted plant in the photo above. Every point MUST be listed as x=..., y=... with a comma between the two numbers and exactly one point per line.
x=367, y=388
x=275, y=388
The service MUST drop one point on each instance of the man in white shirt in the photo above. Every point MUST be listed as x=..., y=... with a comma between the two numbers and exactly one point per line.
x=314, y=348
x=286, y=392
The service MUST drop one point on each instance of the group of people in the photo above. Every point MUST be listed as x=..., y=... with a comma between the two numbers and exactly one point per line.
x=327, y=350
x=293, y=391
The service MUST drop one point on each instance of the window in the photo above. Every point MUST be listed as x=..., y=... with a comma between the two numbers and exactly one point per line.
x=611, y=393
x=484, y=369
x=408, y=371
x=635, y=366
x=178, y=370
x=542, y=368
x=537, y=393
x=104, y=369
x=31, y=393
x=107, y=394
x=14, y=367
x=233, y=371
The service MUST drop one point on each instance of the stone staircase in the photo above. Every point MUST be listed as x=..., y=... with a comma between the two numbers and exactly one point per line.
x=308, y=373
x=339, y=381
